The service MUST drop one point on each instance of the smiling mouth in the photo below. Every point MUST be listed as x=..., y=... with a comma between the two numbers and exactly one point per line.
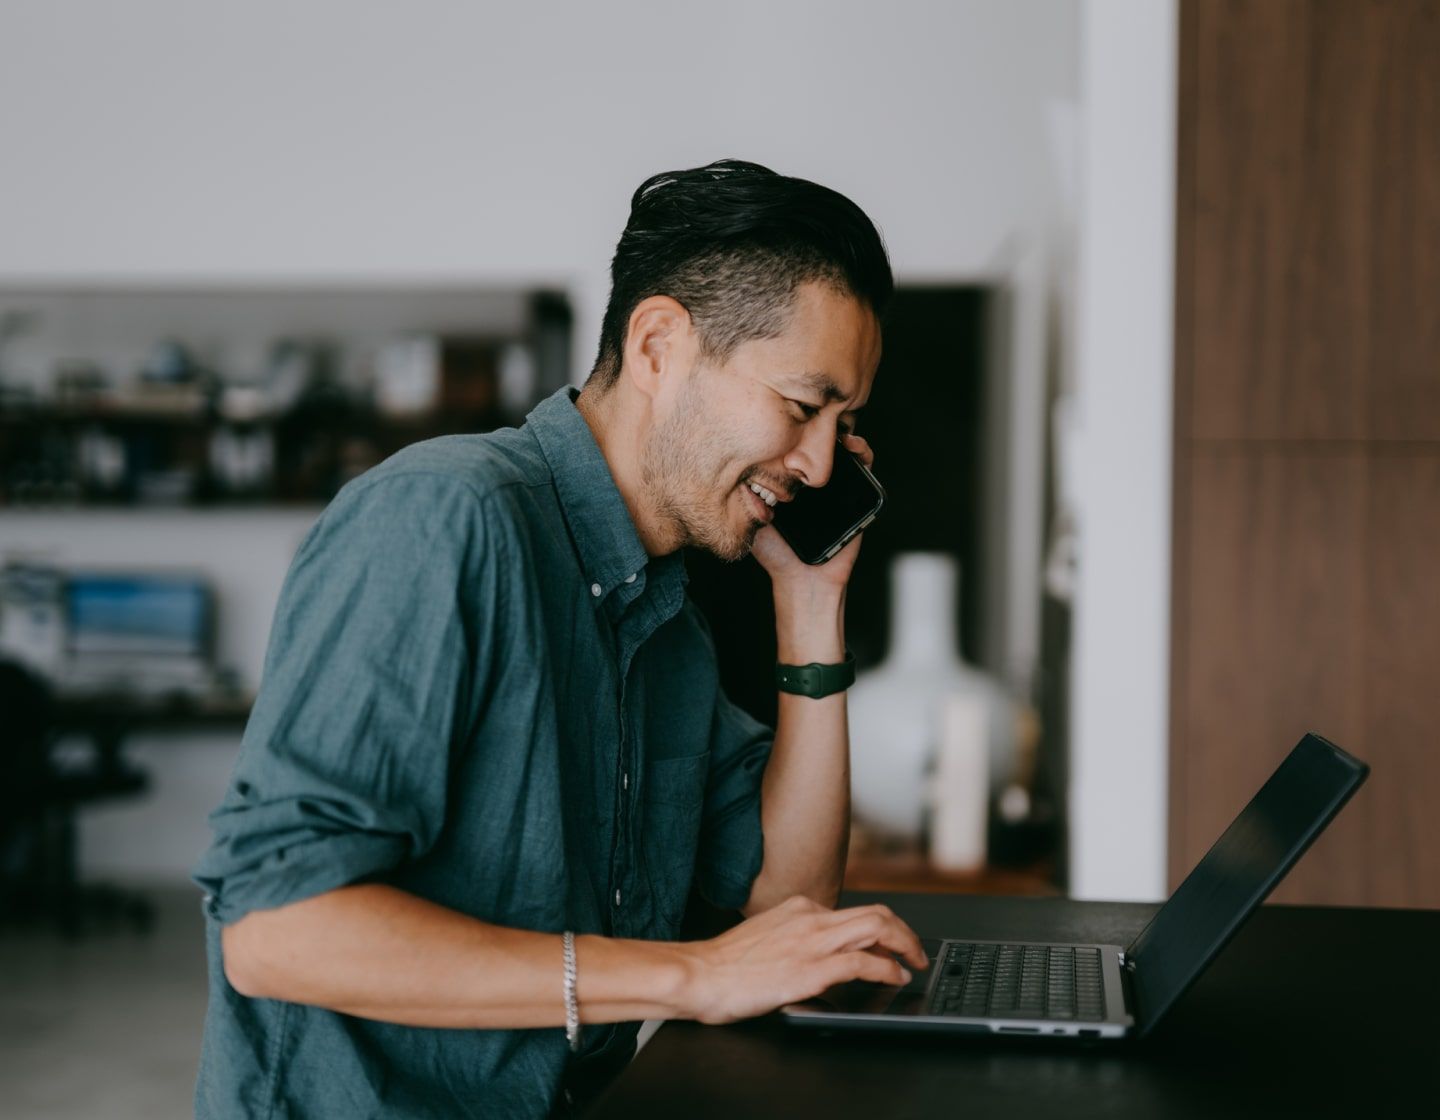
x=769, y=497
x=762, y=512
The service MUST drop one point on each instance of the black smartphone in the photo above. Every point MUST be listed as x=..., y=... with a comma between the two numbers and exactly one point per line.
x=823, y=520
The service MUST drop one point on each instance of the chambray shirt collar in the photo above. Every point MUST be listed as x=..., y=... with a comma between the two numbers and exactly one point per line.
x=598, y=519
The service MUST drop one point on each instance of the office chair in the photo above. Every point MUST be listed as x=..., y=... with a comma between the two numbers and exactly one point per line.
x=38, y=802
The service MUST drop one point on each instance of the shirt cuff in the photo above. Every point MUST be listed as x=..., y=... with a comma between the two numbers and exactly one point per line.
x=288, y=874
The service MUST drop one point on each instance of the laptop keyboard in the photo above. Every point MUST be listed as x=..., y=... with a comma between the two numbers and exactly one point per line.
x=1019, y=982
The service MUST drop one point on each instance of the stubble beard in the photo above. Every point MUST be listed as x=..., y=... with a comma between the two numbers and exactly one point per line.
x=680, y=457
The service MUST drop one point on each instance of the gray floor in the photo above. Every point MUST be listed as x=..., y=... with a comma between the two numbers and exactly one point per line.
x=105, y=1026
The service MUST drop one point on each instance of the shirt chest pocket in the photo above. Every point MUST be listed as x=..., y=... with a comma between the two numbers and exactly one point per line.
x=673, y=807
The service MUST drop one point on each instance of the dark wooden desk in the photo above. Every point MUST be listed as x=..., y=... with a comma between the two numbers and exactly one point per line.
x=1278, y=1026
x=108, y=719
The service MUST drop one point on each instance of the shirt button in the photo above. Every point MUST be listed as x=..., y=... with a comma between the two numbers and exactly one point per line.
x=595, y=590
x=631, y=577
x=624, y=781
x=617, y=896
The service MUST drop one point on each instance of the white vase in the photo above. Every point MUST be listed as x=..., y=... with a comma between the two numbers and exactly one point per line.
x=895, y=708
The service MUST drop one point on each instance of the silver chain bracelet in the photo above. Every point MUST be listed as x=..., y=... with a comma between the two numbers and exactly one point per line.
x=572, y=1001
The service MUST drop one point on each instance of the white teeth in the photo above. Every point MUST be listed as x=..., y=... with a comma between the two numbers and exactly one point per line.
x=764, y=495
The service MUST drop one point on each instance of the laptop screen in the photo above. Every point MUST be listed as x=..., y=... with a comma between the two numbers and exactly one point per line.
x=1245, y=864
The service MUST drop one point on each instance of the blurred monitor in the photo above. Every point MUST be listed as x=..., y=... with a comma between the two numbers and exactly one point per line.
x=139, y=614
x=138, y=629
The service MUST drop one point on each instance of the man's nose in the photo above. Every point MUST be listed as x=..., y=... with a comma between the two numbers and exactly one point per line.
x=813, y=457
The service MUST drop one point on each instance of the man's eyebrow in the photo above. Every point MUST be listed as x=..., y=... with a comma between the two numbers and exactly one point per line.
x=820, y=383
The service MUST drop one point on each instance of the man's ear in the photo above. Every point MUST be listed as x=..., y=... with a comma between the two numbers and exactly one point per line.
x=657, y=344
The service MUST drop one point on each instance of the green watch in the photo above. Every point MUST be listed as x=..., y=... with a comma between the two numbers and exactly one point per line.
x=816, y=680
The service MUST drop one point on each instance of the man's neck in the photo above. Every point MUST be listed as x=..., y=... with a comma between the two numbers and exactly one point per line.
x=620, y=434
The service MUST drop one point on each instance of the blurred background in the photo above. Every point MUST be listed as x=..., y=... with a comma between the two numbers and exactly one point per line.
x=1159, y=415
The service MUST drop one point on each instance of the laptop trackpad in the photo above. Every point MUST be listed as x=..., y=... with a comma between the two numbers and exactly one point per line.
x=860, y=997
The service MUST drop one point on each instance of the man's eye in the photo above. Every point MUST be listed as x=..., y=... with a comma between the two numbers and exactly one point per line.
x=808, y=411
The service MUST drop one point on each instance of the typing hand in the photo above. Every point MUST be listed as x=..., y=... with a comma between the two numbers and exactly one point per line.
x=795, y=951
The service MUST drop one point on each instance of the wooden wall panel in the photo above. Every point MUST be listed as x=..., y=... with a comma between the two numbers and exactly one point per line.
x=1275, y=642
x=1281, y=270
x=1307, y=432
x=1402, y=677
x=1316, y=185
x=1403, y=359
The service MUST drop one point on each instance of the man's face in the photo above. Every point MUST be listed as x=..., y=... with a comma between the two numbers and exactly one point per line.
x=769, y=416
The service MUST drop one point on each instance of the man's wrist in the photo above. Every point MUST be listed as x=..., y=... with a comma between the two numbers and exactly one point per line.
x=810, y=626
x=686, y=972
x=629, y=978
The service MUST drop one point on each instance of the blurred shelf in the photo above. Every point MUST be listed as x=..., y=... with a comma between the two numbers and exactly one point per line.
x=313, y=453
x=354, y=419
x=911, y=871
x=218, y=395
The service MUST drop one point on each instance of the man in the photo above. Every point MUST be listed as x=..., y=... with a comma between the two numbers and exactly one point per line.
x=490, y=721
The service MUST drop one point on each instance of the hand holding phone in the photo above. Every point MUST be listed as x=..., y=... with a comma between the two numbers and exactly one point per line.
x=823, y=520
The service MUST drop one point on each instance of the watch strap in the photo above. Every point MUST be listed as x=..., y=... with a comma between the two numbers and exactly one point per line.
x=816, y=679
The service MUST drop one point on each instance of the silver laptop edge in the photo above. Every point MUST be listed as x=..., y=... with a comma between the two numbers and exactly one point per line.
x=1117, y=1023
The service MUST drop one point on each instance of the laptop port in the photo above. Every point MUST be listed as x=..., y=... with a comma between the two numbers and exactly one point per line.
x=1019, y=1030
x=1089, y=1032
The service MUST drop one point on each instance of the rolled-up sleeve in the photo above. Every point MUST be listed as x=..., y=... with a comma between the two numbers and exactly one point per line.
x=373, y=668
x=732, y=844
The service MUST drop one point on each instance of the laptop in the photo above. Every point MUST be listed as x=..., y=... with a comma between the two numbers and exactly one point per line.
x=1042, y=989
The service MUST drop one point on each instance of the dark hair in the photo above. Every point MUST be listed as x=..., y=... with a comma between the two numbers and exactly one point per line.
x=731, y=241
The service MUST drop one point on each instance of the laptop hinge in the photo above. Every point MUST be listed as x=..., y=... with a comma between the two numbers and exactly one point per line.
x=1127, y=987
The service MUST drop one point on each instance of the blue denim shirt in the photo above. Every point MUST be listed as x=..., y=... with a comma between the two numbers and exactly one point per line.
x=480, y=689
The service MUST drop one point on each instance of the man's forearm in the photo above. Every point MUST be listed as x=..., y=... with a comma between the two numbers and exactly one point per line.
x=380, y=953
x=805, y=798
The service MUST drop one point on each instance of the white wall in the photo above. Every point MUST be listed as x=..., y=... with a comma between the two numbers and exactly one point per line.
x=267, y=140
x=165, y=141
x=1123, y=364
